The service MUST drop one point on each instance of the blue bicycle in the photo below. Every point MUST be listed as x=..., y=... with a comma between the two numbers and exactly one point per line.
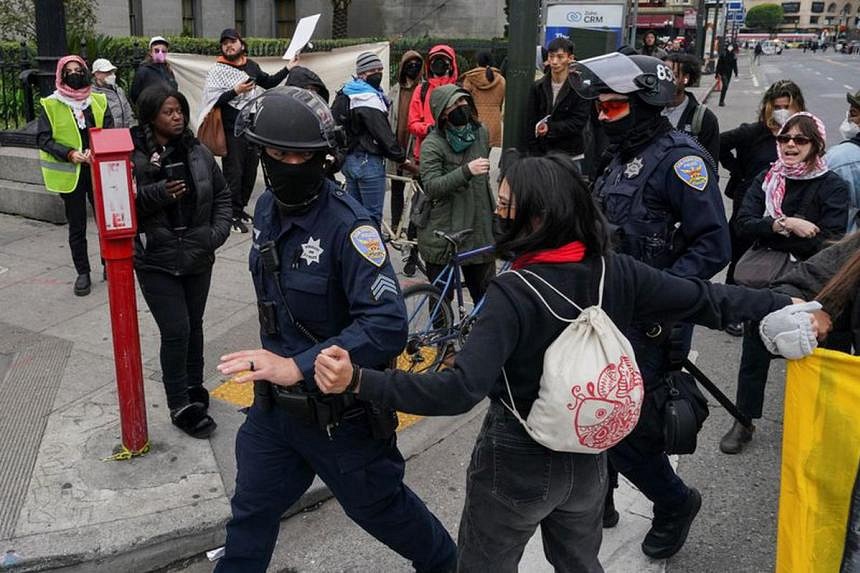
x=435, y=332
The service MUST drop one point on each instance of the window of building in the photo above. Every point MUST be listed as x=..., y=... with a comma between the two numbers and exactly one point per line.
x=241, y=10
x=791, y=7
x=188, y=18
x=817, y=7
x=813, y=19
x=832, y=7
x=285, y=18
x=791, y=20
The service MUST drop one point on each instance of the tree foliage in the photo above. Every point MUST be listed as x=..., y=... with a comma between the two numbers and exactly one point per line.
x=18, y=18
x=764, y=17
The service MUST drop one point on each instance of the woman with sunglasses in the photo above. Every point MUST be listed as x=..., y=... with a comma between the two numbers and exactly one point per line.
x=796, y=206
x=749, y=149
x=514, y=483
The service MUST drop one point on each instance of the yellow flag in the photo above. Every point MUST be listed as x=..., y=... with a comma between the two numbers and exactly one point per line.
x=818, y=527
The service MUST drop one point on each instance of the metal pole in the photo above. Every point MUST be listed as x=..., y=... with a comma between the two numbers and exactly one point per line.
x=635, y=24
x=714, y=33
x=50, y=41
x=523, y=27
x=700, y=30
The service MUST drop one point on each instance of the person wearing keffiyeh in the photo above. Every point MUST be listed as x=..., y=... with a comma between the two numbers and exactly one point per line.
x=796, y=206
x=233, y=81
x=63, y=139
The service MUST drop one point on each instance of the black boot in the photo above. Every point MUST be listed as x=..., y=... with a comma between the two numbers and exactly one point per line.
x=193, y=420
x=197, y=393
x=610, y=515
x=669, y=529
x=83, y=284
x=736, y=438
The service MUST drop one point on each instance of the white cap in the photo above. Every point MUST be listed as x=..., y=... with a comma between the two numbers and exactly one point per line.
x=158, y=40
x=103, y=65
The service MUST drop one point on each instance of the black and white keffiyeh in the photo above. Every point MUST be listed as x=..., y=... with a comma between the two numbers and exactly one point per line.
x=222, y=78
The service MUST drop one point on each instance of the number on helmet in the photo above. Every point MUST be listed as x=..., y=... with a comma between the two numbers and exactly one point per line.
x=664, y=73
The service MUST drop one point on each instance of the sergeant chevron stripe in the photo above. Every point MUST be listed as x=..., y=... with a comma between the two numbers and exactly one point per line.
x=382, y=285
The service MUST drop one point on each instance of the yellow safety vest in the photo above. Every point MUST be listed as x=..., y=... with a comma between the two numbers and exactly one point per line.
x=62, y=176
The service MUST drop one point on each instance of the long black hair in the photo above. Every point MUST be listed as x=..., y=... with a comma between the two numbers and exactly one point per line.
x=553, y=207
x=149, y=106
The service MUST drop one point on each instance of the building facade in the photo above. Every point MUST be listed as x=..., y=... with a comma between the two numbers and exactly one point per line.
x=277, y=18
x=819, y=16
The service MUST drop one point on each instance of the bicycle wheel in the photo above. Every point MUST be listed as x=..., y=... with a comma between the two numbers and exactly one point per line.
x=431, y=329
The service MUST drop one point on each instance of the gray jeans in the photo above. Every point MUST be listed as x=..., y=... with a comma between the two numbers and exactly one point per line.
x=513, y=485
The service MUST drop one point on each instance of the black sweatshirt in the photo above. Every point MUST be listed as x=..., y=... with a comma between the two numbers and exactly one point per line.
x=261, y=78
x=514, y=330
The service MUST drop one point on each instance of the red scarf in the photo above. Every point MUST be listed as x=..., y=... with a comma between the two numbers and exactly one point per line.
x=570, y=253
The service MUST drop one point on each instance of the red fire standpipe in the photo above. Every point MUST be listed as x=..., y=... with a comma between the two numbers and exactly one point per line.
x=113, y=189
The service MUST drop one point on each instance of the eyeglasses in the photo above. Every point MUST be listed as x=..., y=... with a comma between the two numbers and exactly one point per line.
x=798, y=139
x=613, y=108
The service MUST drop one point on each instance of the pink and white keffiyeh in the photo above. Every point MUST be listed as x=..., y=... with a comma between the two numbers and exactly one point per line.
x=774, y=181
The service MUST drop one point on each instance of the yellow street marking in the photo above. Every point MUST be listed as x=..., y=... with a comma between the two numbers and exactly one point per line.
x=242, y=395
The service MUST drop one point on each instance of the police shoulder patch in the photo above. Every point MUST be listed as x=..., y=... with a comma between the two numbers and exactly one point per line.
x=368, y=243
x=692, y=170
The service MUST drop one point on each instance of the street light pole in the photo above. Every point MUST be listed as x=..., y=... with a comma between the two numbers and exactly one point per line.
x=634, y=26
x=50, y=41
x=523, y=27
x=700, y=29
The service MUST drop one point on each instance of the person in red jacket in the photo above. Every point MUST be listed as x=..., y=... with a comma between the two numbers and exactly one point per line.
x=442, y=69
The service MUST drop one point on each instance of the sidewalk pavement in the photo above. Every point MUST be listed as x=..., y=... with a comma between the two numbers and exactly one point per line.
x=64, y=505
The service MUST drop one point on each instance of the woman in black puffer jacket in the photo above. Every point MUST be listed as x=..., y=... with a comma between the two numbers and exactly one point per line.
x=795, y=207
x=183, y=213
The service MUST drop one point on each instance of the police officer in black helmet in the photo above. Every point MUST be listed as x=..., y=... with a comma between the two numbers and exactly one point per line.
x=659, y=191
x=322, y=277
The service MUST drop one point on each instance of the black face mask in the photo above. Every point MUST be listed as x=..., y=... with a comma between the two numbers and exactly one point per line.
x=617, y=130
x=76, y=80
x=412, y=69
x=295, y=186
x=460, y=116
x=501, y=226
x=440, y=67
x=374, y=80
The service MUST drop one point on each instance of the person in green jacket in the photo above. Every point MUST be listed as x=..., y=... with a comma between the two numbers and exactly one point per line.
x=455, y=169
x=64, y=152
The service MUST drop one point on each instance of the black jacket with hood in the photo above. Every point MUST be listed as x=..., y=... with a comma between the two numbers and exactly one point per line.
x=179, y=237
x=148, y=74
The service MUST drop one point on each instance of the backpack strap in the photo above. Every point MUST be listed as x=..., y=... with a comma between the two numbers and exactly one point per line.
x=698, y=118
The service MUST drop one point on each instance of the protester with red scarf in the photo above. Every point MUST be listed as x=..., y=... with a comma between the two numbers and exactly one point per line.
x=550, y=226
x=796, y=206
x=63, y=138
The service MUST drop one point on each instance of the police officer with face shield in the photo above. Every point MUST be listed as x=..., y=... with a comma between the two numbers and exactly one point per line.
x=659, y=191
x=322, y=277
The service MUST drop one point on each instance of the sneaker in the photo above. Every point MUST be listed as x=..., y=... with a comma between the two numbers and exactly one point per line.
x=83, y=284
x=238, y=226
x=246, y=217
x=669, y=529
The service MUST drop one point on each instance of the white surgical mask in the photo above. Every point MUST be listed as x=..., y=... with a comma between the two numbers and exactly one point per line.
x=780, y=116
x=848, y=128
x=110, y=80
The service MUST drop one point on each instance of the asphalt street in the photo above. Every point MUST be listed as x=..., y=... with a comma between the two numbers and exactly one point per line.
x=736, y=528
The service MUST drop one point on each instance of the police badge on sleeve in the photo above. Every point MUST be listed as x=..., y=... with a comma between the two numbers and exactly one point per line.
x=368, y=243
x=692, y=171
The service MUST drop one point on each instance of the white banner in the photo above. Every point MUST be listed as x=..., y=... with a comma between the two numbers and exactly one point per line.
x=334, y=68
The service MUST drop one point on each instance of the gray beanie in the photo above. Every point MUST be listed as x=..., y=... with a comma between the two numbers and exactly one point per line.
x=367, y=61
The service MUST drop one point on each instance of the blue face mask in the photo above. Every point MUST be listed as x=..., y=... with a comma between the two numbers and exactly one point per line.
x=461, y=138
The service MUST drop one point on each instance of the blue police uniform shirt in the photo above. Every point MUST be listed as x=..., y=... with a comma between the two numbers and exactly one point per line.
x=665, y=202
x=336, y=277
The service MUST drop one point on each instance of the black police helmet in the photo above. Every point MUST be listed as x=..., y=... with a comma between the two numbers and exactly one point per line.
x=290, y=119
x=644, y=76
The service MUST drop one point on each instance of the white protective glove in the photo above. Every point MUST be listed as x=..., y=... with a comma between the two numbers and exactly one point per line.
x=788, y=331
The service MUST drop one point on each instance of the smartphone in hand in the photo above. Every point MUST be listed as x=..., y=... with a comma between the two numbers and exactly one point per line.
x=175, y=171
